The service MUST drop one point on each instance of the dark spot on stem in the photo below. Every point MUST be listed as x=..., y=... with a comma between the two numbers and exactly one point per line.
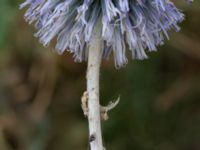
x=91, y=66
x=92, y=138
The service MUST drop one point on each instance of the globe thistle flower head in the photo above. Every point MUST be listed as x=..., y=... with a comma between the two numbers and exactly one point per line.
x=135, y=25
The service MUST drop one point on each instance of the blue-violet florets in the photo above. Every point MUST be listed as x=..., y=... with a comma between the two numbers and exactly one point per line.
x=135, y=24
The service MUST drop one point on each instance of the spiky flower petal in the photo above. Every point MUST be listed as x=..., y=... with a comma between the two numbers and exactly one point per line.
x=137, y=25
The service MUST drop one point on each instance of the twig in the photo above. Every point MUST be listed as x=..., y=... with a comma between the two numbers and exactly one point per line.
x=103, y=109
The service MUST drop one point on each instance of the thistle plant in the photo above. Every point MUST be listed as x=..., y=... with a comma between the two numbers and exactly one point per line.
x=95, y=29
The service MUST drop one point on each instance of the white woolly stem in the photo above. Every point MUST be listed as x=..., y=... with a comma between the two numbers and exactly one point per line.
x=94, y=62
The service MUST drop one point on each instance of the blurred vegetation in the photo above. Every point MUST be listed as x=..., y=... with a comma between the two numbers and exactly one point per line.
x=40, y=92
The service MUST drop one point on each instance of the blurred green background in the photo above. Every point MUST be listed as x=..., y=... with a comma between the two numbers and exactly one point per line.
x=40, y=92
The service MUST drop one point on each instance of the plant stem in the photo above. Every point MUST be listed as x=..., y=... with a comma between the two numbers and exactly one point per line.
x=94, y=62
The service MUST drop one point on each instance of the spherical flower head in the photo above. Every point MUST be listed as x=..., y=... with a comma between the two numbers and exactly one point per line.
x=135, y=25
